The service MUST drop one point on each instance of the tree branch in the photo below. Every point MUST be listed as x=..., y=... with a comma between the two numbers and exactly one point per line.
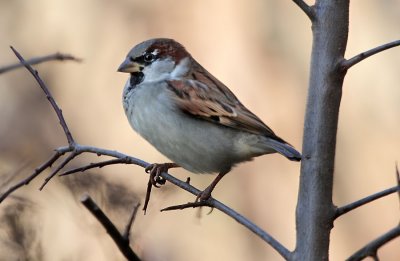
x=315, y=210
x=79, y=149
x=127, y=231
x=37, y=60
x=49, y=97
x=308, y=10
x=346, y=64
x=60, y=167
x=120, y=241
x=361, y=202
x=37, y=171
x=371, y=248
x=92, y=166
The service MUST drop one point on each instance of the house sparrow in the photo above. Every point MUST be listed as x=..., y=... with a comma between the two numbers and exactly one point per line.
x=190, y=116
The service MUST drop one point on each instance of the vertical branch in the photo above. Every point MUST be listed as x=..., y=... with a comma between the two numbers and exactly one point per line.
x=315, y=210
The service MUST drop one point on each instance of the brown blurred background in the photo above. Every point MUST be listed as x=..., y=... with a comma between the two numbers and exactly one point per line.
x=260, y=49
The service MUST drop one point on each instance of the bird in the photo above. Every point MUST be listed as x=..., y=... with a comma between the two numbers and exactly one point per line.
x=190, y=116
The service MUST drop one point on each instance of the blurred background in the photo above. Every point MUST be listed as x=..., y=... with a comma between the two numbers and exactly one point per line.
x=261, y=50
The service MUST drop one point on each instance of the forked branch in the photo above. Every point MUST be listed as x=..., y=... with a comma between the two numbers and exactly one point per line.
x=121, y=242
x=308, y=10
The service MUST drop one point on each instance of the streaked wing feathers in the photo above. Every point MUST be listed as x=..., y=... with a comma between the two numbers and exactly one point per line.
x=202, y=95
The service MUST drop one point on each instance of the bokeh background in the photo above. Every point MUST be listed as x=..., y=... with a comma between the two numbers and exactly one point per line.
x=261, y=50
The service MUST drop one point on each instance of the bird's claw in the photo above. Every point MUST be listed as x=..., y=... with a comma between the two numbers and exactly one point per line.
x=155, y=171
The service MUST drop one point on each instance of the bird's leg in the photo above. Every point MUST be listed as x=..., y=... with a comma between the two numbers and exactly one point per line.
x=155, y=171
x=206, y=194
x=202, y=197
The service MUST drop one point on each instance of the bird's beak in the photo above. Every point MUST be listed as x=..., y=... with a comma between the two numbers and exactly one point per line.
x=128, y=66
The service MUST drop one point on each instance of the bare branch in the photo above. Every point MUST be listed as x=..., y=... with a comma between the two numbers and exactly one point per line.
x=346, y=64
x=308, y=10
x=79, y=149
x=361, y=202
x=37, y=171
x=92, y=166
x=119, y=240
x=60, y=166
x=37, y=60
x=195, y=204
x=128, y=227
x=371, y=248
x=48, y=96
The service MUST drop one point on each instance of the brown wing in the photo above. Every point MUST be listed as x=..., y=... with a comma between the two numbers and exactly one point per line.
x=202, y=95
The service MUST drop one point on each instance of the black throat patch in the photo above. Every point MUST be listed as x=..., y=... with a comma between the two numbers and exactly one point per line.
x=136, y=78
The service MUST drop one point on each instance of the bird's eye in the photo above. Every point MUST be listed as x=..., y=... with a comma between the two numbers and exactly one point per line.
x=149, y=57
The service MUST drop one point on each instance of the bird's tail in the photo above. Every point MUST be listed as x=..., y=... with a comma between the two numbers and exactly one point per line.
x=285, y=149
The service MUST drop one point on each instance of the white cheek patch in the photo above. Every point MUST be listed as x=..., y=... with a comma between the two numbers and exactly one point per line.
x=159, y=70
x=181, y=69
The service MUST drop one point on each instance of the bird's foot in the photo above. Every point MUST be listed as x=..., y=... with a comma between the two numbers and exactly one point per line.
x=155, y=171
x=155, y=178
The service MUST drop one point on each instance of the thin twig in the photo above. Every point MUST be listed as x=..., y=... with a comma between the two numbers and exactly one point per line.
x=93, y=165
x=371, y=248
x=119, y=240
x=37, y=171
x=195, y=204
x=361, y=202
x=7, y=178
x=308, y=10
x=59, y=167
x=127, y=231
x=346, y=64
x=49, y=96
x=37, y=60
